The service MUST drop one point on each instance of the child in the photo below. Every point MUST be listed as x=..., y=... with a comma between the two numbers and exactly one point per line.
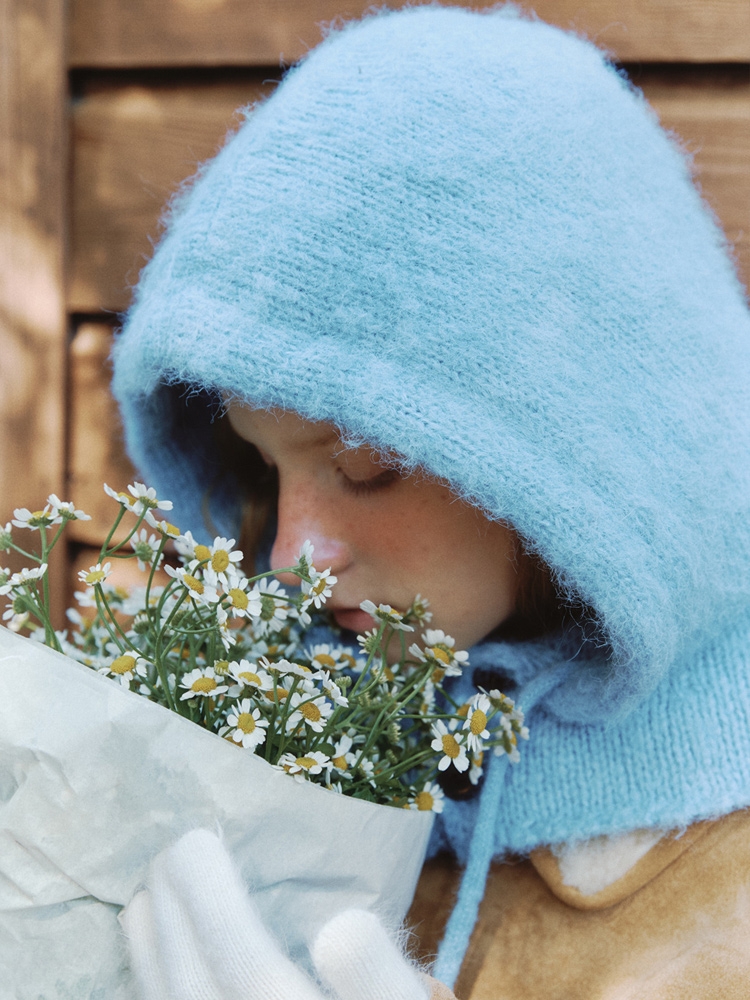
x=456, y=286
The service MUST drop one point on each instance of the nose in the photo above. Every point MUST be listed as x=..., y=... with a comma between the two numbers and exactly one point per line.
x=300, y=517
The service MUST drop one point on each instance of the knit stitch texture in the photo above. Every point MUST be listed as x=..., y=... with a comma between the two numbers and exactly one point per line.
x=464, y=238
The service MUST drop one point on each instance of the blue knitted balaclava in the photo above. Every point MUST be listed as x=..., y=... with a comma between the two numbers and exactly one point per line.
x=464, y=238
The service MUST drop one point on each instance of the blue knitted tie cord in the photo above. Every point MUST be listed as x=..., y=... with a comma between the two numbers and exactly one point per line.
x=462, y=919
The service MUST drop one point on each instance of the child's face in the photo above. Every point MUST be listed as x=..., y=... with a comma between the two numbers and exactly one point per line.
x=386, y=536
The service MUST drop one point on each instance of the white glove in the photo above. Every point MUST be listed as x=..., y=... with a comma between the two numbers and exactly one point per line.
x=194, y=934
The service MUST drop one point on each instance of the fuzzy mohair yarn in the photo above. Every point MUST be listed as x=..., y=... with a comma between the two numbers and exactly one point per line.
x=464, y=237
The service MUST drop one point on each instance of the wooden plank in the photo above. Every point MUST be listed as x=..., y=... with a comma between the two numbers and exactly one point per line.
x=133, y=145
x=118, y=33
x=96, y=450
x=714, y=126
x=33, y=166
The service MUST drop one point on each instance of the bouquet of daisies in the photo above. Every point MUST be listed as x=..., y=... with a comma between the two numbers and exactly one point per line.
x=260, y=666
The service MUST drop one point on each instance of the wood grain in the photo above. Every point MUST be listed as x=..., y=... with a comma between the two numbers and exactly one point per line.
x=117, y=33
x=96, y=451
x=132, y=147
x=33, y=95
x=134, y=144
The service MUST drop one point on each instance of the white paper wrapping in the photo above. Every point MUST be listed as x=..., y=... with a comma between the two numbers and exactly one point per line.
x=96, y=780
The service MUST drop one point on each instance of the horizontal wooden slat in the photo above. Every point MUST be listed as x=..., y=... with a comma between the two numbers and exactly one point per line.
x=133, y=145
x=263, y=32
x=96, y=451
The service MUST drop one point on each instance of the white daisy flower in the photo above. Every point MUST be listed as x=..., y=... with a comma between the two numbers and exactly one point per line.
x=322, y=656
x=446, y=743
x=35, y=519
x=95, y=575
x=343, y=759
x=274, y=609
x=6, y=538
x=366, y=769
x=368, y=641
x=146, y=548
x=305, y=558
x=312, y=711
x=221, y=557
x=244, y=602
x=125, y=668
x=14, y=620
x=331, y=688
x=476, y=722
x=5, y=584
x=170, y=530
x=248, y=674
x=124, y=499
x=185, y=546
x=146, y=502
x=201, y=684
x=449, y=662
x=199, y=591
x=289, y=669
x=419, y=610
x=245, y=725
x=66, y=509
x=318, y=590
x=27, y=575
x=301, y=767
x=430, y=799
x=386, y=613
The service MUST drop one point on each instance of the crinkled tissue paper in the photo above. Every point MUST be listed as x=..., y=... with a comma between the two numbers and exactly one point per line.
x=96, y=780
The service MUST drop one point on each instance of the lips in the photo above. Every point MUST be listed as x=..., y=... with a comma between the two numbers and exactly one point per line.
x=353, y=619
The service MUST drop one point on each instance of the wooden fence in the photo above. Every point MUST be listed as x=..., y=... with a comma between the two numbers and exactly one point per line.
x=106, y=105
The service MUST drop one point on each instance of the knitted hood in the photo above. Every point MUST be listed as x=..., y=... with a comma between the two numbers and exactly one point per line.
x=464, y=238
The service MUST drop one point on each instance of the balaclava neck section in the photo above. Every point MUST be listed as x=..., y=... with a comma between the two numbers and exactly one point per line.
x=463, y=237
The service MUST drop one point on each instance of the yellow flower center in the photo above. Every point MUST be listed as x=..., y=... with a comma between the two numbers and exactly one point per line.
x=95, y=576
x=424, y=802
x=277, y=694
x=340, y=763
x=203, y=685
x=325, y=660
x=249, y=677
x=123, y=664
x=310, y=711
x=39, y=515
x=220, y=560
x=442, y=654
x=463, y=710
x=202, y=553
x=239, y=598
x=348, y=659
x=169, y=529
x=306, y=762
x=319, y=587
x=221, y=667
x=246, y=722
x=437, y=675
x=478, y=722
x=450, y=746
x=192, y=584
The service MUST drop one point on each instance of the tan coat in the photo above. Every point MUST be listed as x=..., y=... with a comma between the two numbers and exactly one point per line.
x=674, y=926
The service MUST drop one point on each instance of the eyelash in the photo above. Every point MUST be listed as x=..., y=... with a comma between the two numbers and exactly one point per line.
x=362, y=487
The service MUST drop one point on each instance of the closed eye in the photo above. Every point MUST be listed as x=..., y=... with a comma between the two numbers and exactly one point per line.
x=361, y=487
